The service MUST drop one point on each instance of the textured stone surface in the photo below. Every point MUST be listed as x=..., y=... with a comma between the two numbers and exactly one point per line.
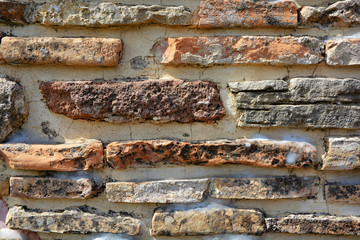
x=246, y=13
x=265, y=188
x=13, y=108
x=343, y=52
x=37, y=187
x=153, y=100
x=62, y=157
x=341, y=154
x=61, y=51
x=4, y=187
x=208, y=51
x=166, y=191
x=207, y=221
x=342, y=193
x=70, y=221
x=339, y=14
x=12, y=12
x=318, y=224
x=308, y=102
x=263, y=153
x=82, y=13
x=265, y=85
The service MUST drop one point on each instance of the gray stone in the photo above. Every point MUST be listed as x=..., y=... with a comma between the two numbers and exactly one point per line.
x=266, y=85
x=167, y=191
x=139, y=63
x=82, y=13
x=343, y=52
x=70, y=221
x=13, y=108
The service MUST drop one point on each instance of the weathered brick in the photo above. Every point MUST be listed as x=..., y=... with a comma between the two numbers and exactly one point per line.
x=38, y=187
x=263, y=153
x=82, y=13
x=61, y=51
x=343, y=52
x=61, y=157
x=208, y=221
x=246, y=13
x=12, y=12
x=13, y=107
x=149, y=100
x=4, y=187
x=312, y=223
x=265, y=188
x=166, y=191
x=342, y=193
x=70, y=221
x=339, y=14
x=208, y=51
x=308, y=102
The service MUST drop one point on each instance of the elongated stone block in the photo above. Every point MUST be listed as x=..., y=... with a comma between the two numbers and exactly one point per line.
x=208, y=222
x=104, y=52
x=61, y=157
x=246, y=14
x=70, y=221
x=262, y=153
x=335, y=193
x=343, y=52
x=37, y=187
x=233, y=50
x=315, y=224
x=138, y=101
x=265, y=188
x=266, y=85
x=166, y=191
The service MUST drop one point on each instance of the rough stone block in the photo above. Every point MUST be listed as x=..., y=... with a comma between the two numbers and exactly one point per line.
x=342, y=193
x=70, y=221
x=13, y=108
x=104, y=52
x=266, y=85
x=12, y=12
x=341, y=154
x=61, y=157
x=262, y=153
x=231, y=50
x=207, y=221
x=149, y=100
x=38, y=187
x=166, y=191
x=343, y=52
x=246, y=14
x=265, y=188
x=4, y=187
x=317, y=224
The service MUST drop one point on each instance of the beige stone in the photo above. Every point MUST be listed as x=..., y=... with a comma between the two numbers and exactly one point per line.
x=4, y=187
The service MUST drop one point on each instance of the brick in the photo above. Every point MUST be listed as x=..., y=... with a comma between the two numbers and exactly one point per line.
x=70, y=221
x=343, y=52
x=47, y=187
x=81, y=13
x=166, y=191
x=138, y=101
x=312, y=223
x=246, y=14
x=61, y=157
x=341, y=154
x=308, y=102
x=4, y=187
x=104, y=52
x=14, y=107
x=207, y=221
x=342, y=193
x=265, y=188
x=231, y=50
x=339, y=14
x=262, y=153
x=12, y=12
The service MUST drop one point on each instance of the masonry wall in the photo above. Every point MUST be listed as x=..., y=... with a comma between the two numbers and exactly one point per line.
x=162, y=119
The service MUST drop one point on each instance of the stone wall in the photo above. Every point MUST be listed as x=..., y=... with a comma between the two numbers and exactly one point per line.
x=189, y=120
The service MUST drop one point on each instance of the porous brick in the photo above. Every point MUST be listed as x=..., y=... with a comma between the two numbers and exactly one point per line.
x=343, y=52
x=4, y=187
x=149, y=100
x=262, y=153
x=335, y=193
x=12, y=12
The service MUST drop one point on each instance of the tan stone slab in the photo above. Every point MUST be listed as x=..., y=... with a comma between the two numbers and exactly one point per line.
x=4, y=187
x=335, y=193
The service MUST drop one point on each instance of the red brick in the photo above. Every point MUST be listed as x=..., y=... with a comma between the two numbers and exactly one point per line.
x=208, y=51
x=11, y=12
x=246, y=14
x=61, y=51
